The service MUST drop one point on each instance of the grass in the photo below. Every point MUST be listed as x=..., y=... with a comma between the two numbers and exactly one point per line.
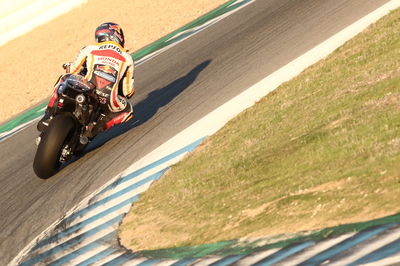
x=321, y=150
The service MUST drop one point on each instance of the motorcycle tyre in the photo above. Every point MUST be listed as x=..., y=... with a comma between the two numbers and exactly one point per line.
x=47, y=158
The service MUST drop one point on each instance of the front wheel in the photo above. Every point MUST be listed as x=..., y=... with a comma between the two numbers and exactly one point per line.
x=47, y=158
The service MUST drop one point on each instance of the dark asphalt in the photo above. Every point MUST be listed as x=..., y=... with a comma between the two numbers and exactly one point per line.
x=174, y=90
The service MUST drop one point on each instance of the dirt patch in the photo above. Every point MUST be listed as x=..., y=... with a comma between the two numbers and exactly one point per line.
x=154, y=226
x=254, y=212
x=32, y=62
x=391, y=99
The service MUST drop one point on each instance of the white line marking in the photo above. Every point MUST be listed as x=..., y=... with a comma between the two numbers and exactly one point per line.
x=193, y=31
x=16, y=129
x=371, y=246
x=136, y=261
x=314, y=250
x=7, y=134
x=206, y=261
x=83, y=230
x=87, y=255
x=111, y=204
x=138, y=178
x=165, y=263
x=394, y=260
x=257, y=256
x=109, y=258
x=83, y=243
x=27, y=15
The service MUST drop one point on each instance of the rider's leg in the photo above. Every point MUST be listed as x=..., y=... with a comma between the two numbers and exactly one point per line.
x=110, y=119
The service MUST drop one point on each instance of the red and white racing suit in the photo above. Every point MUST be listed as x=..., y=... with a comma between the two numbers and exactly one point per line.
x=108, y=66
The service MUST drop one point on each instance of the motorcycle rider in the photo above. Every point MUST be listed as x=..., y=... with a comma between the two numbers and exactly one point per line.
x=110, y=68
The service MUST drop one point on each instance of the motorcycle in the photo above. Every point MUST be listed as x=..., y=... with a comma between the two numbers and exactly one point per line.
x=77, y=110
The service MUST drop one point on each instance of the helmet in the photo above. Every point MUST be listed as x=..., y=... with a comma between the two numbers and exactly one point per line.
x=110, y=31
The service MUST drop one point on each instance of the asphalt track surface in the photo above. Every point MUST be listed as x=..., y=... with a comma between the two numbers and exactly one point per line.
x=174, y=89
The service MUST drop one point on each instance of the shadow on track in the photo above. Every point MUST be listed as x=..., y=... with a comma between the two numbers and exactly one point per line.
x=146, y=109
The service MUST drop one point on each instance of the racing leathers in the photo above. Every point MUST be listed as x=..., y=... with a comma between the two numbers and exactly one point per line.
x=110, y=68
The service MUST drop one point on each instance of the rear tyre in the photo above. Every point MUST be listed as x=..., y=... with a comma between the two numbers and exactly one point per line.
x=47, y=158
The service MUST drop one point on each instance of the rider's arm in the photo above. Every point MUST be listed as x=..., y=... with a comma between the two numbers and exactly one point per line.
x=128, y=88
x=80, y=60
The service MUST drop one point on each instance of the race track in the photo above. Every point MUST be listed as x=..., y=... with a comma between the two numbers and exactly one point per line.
x=174, y=89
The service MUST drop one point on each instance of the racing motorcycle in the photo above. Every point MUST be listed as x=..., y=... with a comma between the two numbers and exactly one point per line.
x=77, y=110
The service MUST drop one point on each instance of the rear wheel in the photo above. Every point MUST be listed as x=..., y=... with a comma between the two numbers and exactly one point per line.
x=55, y=137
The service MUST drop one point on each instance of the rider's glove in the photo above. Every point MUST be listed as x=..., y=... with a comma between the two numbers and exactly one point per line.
x=67, y=67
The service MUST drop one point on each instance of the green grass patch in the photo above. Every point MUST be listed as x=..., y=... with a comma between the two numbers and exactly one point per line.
x=321, y=150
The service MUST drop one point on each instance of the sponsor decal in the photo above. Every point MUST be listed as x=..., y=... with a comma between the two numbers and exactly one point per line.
x=122, y=100
x=102, y=100
x=118, y=36
x=115, y=27
x=103, y=94
x=112, y=55
x=103, y=31
x=101, y=83
x=111, y=46
x=117, y=120
x=53, y=99
x=109, y=60
x=107, y=69
x=105, y=76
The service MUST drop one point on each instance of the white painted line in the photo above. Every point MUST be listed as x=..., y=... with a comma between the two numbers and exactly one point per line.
x=88, y=255
x=371, y=246
x=394, y=260
x=206, y=261
x=193, y=31
x=256, y=257
x=26, y=15
x=8, y=7
x=109, y=258
x=112, y=203
x=83, y=243
x=121, y=210
x=165, y=263
x=138, y=178
x=136, y=261
x=314, y=250
x=7, y=134
x=85, y=229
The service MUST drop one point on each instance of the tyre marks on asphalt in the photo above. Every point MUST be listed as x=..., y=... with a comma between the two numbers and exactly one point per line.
x=94, y=226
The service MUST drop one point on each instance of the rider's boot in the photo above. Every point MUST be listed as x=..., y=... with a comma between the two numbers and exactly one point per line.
x=95, y=128
x=48, y=114
x=44, y=122
x=42, y=125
